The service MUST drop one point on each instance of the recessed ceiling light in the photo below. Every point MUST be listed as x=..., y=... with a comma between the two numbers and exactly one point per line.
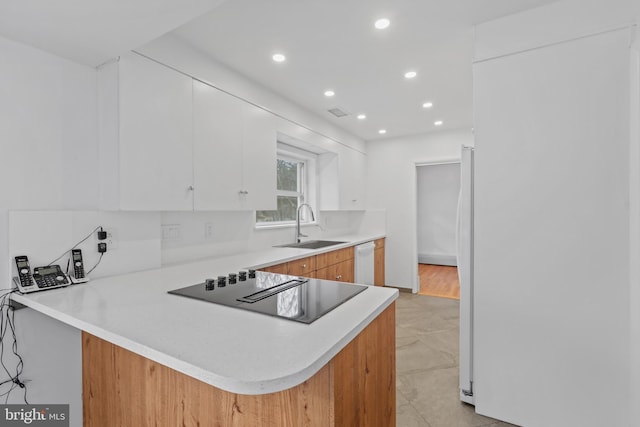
x=382, y=131
x=427, y=105
x=329, y=93
x=278, y=57
x=362, y=116
x=438, y=123
x=410, y=74
x=382, y=23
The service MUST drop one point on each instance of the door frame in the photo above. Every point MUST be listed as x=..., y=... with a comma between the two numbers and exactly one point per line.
x=414, y=209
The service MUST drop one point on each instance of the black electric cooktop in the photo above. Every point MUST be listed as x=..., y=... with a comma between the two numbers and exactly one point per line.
x=289, y=297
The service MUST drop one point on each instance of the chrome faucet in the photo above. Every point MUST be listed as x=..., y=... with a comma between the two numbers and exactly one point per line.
x=313, y=218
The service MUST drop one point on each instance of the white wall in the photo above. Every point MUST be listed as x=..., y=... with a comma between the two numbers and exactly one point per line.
x=552, y=232
x=48, y=137
x=391, y=185
x=438, y=191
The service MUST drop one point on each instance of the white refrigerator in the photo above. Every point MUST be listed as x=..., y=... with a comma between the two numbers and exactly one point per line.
x=465, y=273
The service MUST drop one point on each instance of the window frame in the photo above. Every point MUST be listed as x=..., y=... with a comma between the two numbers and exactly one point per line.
x=305, y=183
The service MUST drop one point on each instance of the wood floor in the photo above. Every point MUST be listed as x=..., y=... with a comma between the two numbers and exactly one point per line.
x=439, y=281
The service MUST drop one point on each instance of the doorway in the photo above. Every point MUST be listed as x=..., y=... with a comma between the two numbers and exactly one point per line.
x=438, y=187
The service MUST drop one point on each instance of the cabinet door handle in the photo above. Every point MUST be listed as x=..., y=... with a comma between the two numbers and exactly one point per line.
x=304, y=265
x=339, y=277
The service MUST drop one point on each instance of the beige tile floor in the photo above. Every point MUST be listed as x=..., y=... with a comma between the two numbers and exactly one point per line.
x=427, y=365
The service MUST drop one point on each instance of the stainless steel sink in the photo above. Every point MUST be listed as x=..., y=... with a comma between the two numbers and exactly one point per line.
x=311, y=244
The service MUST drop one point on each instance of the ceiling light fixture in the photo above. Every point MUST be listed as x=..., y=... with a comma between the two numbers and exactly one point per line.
x=278, y=57
x=410, y=74
x=382, y=23
x=427, y=105
x=382, y=131
x=361, y=116
x=438, y=123
x=329, y=93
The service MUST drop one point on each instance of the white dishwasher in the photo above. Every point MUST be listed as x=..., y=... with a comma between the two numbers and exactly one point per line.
x=364, y=264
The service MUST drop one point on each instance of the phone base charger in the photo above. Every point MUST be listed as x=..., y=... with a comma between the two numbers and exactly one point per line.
x=75, y=281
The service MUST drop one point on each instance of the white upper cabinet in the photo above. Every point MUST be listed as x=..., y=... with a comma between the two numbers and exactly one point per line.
x=171, y=143
x=217, y=123
x=234, y=152
x=259, y=159
x=146, y=136
x=156, y=136
x=352, y=170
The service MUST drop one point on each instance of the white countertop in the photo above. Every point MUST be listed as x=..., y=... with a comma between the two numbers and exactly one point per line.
x=235, y=350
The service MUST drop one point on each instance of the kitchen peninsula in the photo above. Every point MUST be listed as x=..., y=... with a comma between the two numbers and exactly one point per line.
x=151, y=358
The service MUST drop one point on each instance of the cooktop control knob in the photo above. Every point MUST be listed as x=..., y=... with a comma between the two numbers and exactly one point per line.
x=210, y=284
x=252, y=274
x=222, y=281
x=242, y=276
x=232, y=278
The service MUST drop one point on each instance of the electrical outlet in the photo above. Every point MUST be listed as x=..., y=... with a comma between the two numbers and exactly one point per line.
x=112, y=238
x=208, y=230
x=171, y=232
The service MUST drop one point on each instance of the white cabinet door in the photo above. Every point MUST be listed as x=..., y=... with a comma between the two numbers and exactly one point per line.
x=352, y=166
x=234, y=152
x=551, y=232
x=156, y=136
x=218, y=153
x=259, y=159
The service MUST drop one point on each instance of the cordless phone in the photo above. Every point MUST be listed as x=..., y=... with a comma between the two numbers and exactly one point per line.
x=78, y=267
x=24, y=271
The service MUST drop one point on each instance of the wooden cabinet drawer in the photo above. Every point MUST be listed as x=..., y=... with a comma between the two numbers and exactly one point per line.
x=278, y=268
x=334, y=257
x=342, y=272
x=302, y=267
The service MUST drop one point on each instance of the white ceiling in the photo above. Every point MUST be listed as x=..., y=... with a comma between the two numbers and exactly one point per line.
x=328, y=43
x=333, y=44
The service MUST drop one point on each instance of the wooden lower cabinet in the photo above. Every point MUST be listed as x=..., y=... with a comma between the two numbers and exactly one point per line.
x=356, y=388
x=334, y=265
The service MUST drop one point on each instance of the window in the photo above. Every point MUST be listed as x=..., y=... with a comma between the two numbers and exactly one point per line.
x=292, y=187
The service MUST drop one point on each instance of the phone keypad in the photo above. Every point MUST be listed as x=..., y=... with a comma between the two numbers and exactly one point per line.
x=26, y=280
x=49, y=281
x=78, y=270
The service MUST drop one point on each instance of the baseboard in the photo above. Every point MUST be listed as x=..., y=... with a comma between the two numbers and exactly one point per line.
x=438, y=259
